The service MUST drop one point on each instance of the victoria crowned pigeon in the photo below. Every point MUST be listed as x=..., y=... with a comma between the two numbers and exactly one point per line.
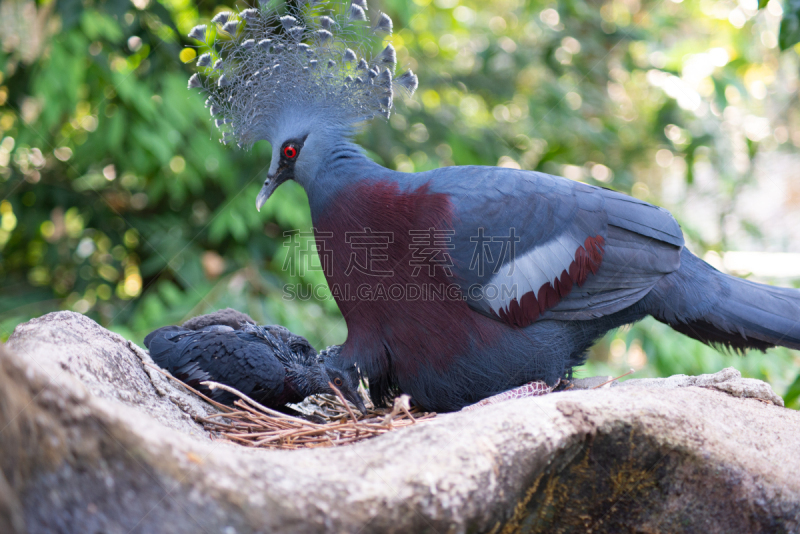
x=457, y=283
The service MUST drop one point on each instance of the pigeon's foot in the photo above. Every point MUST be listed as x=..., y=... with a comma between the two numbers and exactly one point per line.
x=531, y=389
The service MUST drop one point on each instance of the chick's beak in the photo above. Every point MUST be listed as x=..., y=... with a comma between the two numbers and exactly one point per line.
x=357, y=401
x=354, y=397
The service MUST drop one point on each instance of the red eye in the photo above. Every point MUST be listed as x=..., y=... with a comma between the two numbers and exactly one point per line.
x=337, y=381
x=290, y=152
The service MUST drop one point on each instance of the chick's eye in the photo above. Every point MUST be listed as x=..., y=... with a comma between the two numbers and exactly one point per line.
x=290, y=152
x=337, y=381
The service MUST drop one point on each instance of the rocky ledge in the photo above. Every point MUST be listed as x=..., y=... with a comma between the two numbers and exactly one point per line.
x=91, y=440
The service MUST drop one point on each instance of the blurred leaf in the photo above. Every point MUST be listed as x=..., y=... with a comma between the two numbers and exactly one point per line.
x=97, y=25
x=790, y=25
x=792, y=395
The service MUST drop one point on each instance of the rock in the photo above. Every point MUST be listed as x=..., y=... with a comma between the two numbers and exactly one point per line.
x=728, y=380
x=92, y=440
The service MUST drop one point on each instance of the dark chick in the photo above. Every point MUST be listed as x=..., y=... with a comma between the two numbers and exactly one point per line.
x=267, y=363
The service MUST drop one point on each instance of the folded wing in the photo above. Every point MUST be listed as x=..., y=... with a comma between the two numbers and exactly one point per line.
x=530, y=246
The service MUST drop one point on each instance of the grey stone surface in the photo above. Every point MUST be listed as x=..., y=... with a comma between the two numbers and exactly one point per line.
x=91, y=440
x=728, y=380
x=593, y=382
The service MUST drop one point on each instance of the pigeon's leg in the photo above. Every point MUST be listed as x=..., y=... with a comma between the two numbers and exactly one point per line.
x=531, y=389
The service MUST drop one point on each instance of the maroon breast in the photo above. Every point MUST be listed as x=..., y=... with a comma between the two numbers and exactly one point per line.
x=384, y=251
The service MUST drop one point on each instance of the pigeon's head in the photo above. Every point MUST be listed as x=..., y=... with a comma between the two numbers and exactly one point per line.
x=277, y=74
x=298, y=149
x=345, y=377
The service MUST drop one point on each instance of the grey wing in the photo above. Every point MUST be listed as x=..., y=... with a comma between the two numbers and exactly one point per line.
x=643, y=243
x=581, y=251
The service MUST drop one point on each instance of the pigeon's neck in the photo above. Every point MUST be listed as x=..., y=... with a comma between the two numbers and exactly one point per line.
x=344, y=165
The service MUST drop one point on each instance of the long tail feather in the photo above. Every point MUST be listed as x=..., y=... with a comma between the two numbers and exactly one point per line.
x=718, y=309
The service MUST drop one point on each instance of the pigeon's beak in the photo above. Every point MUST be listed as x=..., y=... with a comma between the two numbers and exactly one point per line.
x=270, y=185
x=283, y=174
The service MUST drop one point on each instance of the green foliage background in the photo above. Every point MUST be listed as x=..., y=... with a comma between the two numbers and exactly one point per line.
x=116, y=200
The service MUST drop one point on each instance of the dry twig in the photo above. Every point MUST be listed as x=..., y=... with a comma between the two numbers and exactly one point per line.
x=614, y=379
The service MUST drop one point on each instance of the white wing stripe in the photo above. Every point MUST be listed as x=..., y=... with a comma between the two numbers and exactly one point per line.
x=539, y=266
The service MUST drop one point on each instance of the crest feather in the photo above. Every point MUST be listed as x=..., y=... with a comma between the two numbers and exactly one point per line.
x=231, y=26
x=288, y=22
x=198, y=33
x=222, y=18
x=269, y=66
x=384, y=24
x=326, y=22
x=357, y=13
x=408, y=81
